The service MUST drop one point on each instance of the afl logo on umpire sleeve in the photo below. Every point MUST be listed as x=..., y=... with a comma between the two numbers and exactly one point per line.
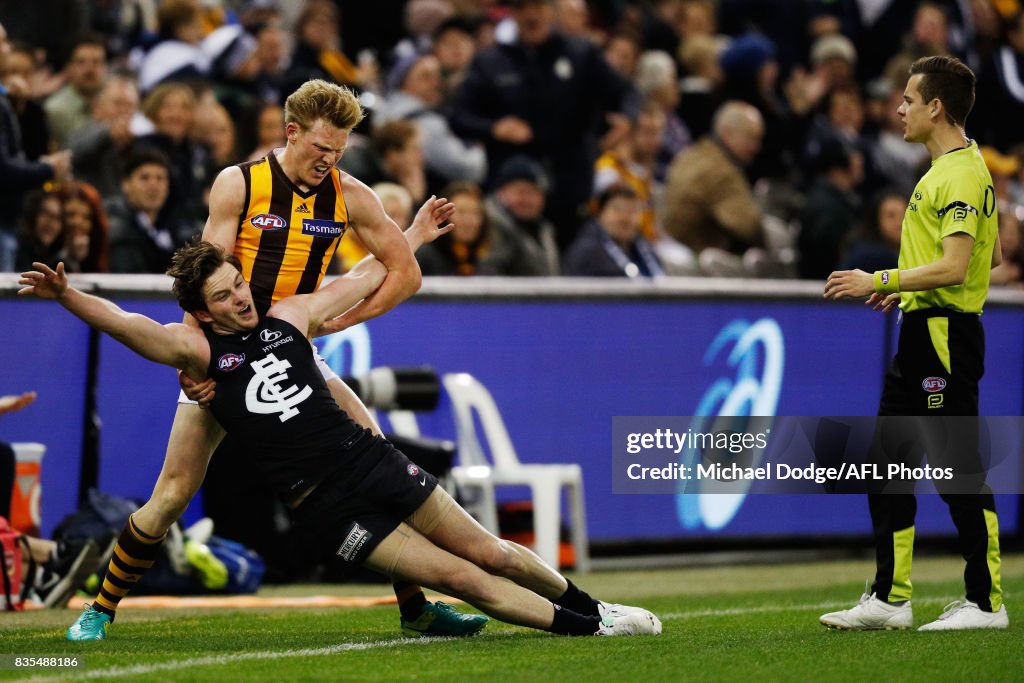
x=268, y=222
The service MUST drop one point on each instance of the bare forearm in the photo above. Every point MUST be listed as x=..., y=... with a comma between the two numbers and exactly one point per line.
x=931, y=276
x=396, y=288
x=144, y=336
x=103, y=315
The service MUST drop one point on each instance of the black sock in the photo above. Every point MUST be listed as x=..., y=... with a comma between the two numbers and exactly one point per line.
x=410, y=600
x=570, y=623
x=578, y=601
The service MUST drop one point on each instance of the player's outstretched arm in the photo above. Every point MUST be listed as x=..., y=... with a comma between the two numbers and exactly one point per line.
x=330, y=301
x=176, y=345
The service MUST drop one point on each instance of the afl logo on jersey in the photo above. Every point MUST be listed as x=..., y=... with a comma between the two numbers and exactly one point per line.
x=268, y=221
x=230, y=361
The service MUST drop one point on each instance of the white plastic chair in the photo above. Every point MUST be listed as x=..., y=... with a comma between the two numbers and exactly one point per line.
x=545, y=481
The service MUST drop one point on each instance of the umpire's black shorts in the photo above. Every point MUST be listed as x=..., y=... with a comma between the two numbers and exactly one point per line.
x=939, y=361
x=933, y=382
x=350, y=518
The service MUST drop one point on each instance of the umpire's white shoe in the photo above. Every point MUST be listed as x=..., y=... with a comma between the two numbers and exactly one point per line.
x=638, y=623
x=964, y=614
x=870, y=614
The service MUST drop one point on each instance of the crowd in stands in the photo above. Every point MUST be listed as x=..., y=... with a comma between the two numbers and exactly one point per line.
x=621, y=138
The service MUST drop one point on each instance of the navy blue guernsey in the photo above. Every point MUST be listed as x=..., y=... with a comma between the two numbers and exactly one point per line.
x=273, y=400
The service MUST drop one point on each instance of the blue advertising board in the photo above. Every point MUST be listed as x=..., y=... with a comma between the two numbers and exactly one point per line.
x=560, y=369
x=47, y=352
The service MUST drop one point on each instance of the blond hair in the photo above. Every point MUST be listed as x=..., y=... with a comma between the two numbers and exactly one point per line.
x=318, y=99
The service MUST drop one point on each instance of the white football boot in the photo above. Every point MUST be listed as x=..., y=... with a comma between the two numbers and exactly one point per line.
x=870, y=614
x=964, y=614
x=633, y=624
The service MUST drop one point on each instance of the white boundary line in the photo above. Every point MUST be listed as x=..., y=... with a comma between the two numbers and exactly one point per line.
x=217, y=660
x=736, y=611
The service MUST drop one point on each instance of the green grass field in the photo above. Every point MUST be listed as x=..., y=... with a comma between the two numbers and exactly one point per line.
x=721, y=624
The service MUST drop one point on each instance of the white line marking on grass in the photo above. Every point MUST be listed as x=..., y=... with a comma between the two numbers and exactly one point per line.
x=216, y=660
x=736, y=611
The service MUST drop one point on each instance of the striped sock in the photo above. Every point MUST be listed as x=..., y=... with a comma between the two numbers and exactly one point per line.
x=410, y=600
x=134, y=554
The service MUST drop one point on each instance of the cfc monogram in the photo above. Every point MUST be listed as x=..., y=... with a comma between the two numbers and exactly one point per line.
x=265, y=394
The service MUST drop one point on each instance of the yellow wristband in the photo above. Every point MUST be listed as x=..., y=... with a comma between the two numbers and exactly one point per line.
x=887, y=281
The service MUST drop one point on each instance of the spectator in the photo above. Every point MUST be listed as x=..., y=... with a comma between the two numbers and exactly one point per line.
x=398, y=146
x=318, y=54
x=475, y=246
x=1010, y=273
x=454, y=47
x=247, y=64
x=141, y=239
x=841, y=123
x=215, y=129
x=622, y=51
x=661, y=25
x=16, y=174
x=612, y=244
x=416, y=94
x=658, y=83
x=1000, y=98
x=177, y=57
x=422, y=19
x=751, y=74
x=85, y=227
x=929, y=34
x=70, y=108
x=708, y=200
x=893, y=160
x=831, y=210
x=834, y=58
x=1003, y=169
x=98, y=149
x=632, y=163
x=516, y=207
x=269, y=131
x=272, y=60
x=876, y=245
x=546, y=96
x=42, y=234
x=696, y=18
x=172, y=109
x=572, y=18
x=20, y=78
x=700, y=90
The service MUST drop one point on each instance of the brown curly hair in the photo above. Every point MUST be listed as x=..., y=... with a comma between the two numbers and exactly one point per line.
x=191, y=266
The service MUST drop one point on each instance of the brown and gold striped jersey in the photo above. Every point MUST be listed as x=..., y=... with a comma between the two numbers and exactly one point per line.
x=286, y=237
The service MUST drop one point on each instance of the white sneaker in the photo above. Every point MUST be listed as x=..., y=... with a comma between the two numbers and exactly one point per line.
x=613, y=610
x=964, y=614
x=633, y=624
x=870, y=614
